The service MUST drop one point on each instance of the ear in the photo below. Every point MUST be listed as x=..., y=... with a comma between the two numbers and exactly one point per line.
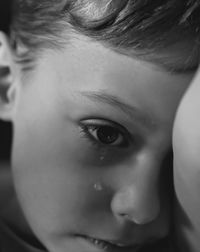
x=9, y=72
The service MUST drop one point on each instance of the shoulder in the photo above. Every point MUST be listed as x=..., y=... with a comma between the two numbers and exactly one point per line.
x=10, y=209
x=14, y=233
x=6, y=184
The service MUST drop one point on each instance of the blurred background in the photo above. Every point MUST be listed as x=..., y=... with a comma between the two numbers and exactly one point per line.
x=5, y=128
x=5, y=14
x=5, y=141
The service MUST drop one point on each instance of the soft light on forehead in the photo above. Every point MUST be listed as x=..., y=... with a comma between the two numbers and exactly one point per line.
x=180, y=58
x=133, y=112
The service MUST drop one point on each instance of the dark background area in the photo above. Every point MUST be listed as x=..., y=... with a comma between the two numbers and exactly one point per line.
x=5, y=15
x=5, y=128
x=5, y=141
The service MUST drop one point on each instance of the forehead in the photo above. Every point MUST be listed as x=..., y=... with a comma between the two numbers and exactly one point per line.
x=180, y=57
x=85, y=65
x=96, y=58
x=92, y=59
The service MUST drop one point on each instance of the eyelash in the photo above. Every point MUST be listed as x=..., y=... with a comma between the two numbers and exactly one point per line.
x=91, y=125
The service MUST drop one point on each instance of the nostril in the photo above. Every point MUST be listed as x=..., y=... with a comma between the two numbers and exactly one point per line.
x=139, y=219
x=147, y=213
x=145, y=220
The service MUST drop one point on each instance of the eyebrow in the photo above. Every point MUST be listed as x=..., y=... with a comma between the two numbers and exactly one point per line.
x=116, y=102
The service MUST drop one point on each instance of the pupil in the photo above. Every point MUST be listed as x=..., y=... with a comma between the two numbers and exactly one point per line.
x=107, y=135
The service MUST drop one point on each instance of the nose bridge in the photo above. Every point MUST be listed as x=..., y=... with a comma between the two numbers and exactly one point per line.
x=137, y=198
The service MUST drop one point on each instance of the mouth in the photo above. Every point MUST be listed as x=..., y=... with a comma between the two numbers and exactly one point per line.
x=110, y=246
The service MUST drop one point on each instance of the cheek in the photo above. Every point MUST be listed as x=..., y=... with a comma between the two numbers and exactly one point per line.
x=54, y=198
x=45, y=178
x=55, y=190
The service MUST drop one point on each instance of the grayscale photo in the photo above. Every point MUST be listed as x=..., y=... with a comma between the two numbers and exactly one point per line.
x=99, y=126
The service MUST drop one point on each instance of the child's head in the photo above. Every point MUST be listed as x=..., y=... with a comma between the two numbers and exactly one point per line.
x=92, y=88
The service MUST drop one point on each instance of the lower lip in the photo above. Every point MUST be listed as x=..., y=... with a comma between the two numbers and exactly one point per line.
x=106, y=246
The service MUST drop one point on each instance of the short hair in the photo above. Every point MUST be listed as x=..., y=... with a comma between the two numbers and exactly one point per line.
x=143, y=25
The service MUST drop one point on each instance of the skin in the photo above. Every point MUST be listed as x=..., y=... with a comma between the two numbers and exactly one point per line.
x=186, y=145
x=68, y=182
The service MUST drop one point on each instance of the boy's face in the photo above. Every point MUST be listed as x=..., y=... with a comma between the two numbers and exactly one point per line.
x=91, y=153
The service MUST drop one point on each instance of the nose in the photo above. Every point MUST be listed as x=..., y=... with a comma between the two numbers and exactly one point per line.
x=138, y=199
x=137, y=204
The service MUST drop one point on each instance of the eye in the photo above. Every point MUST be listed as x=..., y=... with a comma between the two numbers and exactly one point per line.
x=106, y=133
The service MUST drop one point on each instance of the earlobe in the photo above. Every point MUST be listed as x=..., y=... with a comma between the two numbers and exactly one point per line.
x=8, y=79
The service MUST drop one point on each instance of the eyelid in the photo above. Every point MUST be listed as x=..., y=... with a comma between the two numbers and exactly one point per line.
x=99, y=122
x=104, y=122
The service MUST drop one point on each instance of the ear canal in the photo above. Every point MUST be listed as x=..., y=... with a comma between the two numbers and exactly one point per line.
x=8, y=79
x=4, y=84
x=4, y=71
